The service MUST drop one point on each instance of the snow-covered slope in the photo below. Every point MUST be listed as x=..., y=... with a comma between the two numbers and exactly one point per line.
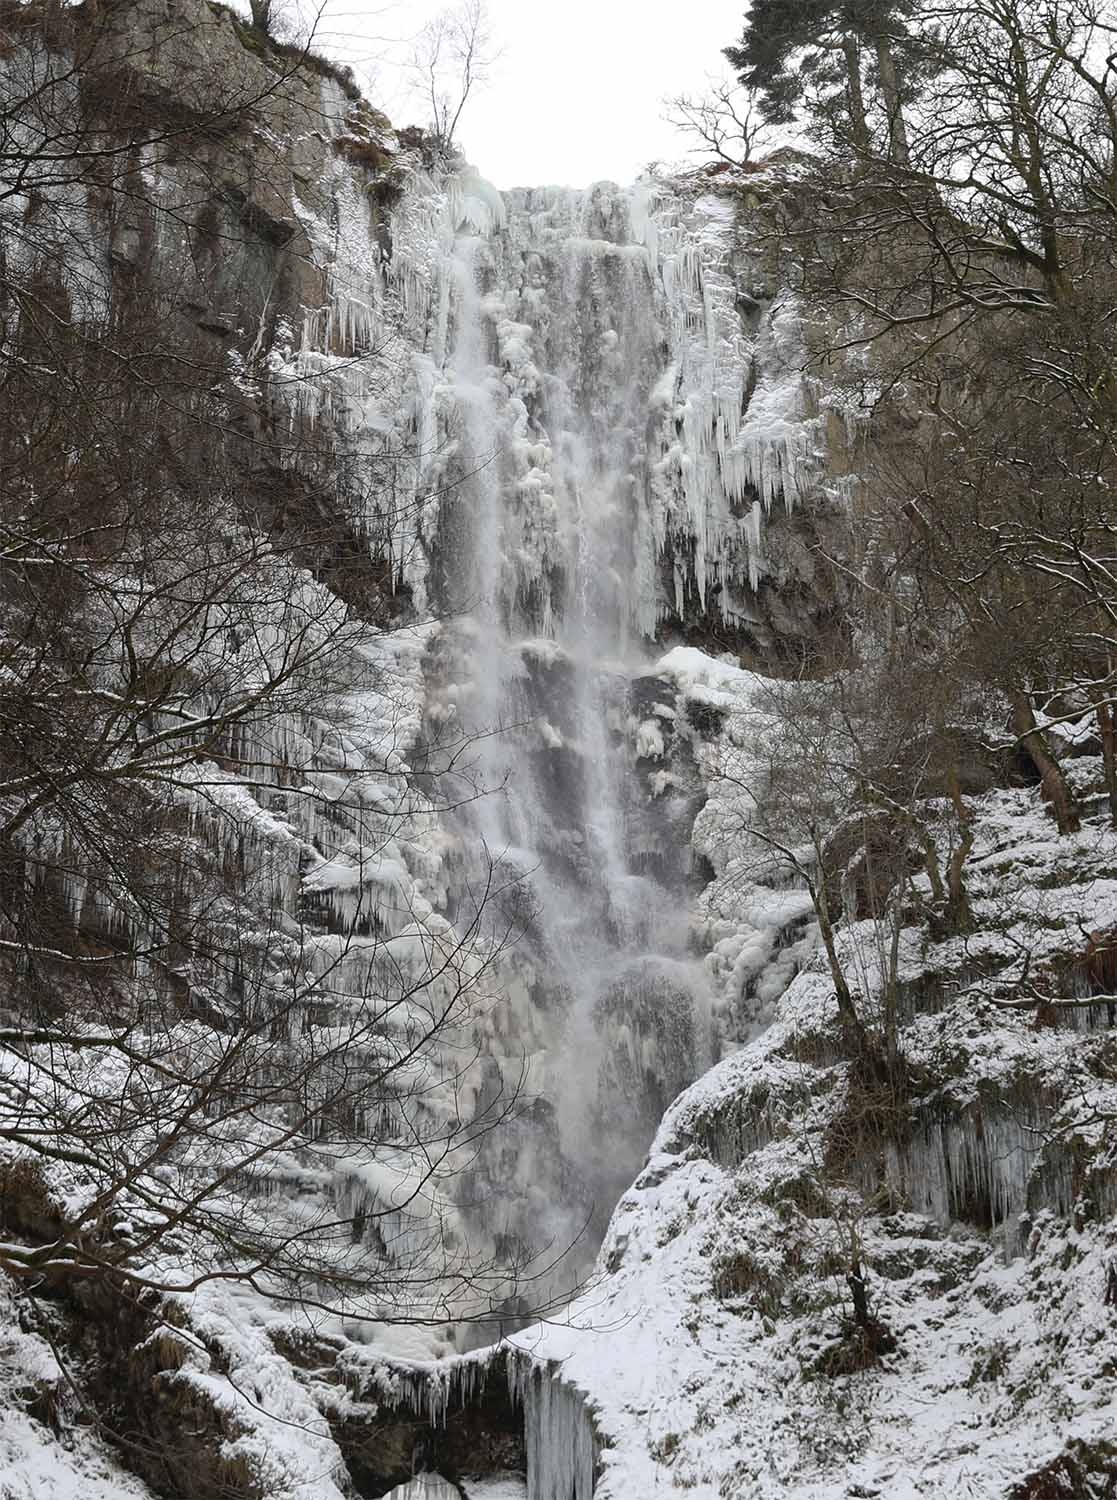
x=718, y=1352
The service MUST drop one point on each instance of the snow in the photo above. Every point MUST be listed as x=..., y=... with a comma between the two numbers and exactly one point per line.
x=35, y=1466
x=37, y=1463
x=274, y=1426
x=562, y=385
x=702, y=1347
x=707, y=679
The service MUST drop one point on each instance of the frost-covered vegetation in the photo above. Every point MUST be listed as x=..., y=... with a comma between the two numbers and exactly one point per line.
x=477, y=668
x=827, y=1281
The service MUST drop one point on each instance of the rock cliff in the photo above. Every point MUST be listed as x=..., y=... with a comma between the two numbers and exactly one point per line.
x=552, y=471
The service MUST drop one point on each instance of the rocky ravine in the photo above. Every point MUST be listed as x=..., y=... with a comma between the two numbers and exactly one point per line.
x=624, y=376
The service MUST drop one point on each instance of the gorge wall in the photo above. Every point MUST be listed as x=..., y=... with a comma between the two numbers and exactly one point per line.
x=536, y=440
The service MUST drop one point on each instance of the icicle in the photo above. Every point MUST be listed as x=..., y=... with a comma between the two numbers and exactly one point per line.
x=561, y=1444
x=976, y=1165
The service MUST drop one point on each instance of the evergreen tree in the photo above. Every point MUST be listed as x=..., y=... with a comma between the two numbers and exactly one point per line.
x=790, y=46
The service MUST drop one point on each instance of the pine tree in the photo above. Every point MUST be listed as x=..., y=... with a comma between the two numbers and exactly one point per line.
x=790, y=45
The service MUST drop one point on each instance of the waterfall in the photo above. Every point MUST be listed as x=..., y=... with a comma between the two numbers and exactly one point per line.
x=589, y=404
x=548, y=552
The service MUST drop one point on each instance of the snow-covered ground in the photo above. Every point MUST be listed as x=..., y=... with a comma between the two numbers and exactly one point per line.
x=718, y=1353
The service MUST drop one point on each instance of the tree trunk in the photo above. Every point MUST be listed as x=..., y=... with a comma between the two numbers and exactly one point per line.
x=858, y=120
x=898, y=148
x=851, y=1022
x=1108, y=732
x=855, y=1278
x=1051, y=773
x=892, y=990
x=958, y=914
x=878, y=1340
x=931, y=864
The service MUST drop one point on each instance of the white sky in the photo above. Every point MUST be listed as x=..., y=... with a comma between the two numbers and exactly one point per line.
x=577, y=94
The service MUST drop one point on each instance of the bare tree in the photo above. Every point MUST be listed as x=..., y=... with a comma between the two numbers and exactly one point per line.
x=217, y=971
x=452, y=56
x=724, y=124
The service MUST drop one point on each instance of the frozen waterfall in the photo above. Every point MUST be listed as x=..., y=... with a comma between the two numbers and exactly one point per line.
x=588, y=361
x=589, y=419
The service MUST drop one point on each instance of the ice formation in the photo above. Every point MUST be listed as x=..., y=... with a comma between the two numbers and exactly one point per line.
x=561, y=422
x=561, y=1445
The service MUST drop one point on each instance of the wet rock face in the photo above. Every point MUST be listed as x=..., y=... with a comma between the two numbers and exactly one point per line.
x=483, y=1437
x=790, y=621
x=453, y=1421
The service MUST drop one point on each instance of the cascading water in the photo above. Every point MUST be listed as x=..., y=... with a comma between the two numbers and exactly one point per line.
x=556, y=346
x=587, y=419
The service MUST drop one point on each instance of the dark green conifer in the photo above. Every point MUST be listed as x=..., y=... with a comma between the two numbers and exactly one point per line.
x=788, y=45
